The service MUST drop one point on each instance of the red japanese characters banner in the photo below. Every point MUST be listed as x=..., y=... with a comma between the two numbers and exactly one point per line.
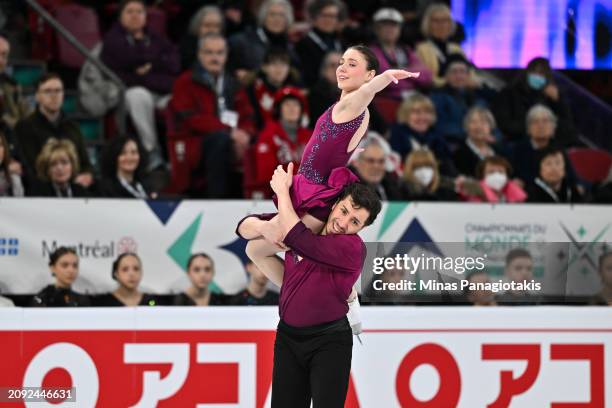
x=555, y=357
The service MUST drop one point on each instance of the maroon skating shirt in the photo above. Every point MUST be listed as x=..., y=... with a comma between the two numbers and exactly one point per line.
x=315, y=289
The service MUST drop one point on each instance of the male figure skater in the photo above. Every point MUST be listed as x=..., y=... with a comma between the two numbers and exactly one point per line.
x=313, y=348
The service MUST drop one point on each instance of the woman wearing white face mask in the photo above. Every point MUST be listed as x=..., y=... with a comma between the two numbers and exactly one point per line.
x=493, y=173
x=423, y=178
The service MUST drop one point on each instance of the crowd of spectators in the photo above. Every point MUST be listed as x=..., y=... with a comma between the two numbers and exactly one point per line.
x=127, y=270
x=246, y=93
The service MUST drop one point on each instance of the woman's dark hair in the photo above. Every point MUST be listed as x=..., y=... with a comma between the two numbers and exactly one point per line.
x=496, y=161
x=538, y=63
x=547, y=152
x=4, y=166
x=117, y=262
x=314, y=7
x=196, y=255
x=274, y=54
x=371, y=60
x=363, y=197
x=111, y=154
x=59, y=252
x=124, y=4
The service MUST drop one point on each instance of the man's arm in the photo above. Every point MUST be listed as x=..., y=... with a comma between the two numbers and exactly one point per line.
x=340, y=252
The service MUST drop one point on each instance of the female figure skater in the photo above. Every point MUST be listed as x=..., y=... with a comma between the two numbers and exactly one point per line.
x=323, y=174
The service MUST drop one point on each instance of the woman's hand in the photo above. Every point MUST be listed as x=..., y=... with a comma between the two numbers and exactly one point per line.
x=394, y=75
x=281, y=179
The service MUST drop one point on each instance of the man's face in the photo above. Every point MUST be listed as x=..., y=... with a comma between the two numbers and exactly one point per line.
x=50, y=95
x=457, y=75
x=371, y=164
x=345, y=218
x=520, y=269
x=5, y=49
x=133, y=17
x=212, y=55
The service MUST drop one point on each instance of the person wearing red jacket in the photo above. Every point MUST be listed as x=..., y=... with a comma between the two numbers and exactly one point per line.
x=208, y=103
x=283, y=138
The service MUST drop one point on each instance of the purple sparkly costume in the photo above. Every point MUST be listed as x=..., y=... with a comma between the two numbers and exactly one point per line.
x=323, y=174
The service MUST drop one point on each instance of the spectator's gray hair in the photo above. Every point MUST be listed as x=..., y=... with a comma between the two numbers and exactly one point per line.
x=425, y=21
x=539, y=110
x=194, y=24
x=265, y=7
x=211, y=36
x=482, y=111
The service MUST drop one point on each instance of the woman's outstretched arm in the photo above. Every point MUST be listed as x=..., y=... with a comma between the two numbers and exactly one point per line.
x=356, y=102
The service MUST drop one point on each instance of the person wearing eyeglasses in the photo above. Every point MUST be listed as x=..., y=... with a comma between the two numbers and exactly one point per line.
x=370, y=166
x=48, y=121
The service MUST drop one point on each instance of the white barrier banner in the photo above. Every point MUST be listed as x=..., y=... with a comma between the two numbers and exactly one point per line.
x=165, y=233
x=411, y=357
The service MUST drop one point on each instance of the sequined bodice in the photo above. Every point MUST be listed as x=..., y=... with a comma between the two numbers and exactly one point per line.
x=327, y=146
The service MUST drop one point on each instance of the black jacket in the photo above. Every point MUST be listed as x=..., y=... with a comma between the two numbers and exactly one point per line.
x=566, y=194
x=112, y=188
x=32, y=133
x=51, y=296
x=45, y=189
x=511, y=107
x=311, y=54
x=110, y=300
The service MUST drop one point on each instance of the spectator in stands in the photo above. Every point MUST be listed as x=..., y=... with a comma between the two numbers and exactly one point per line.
x=208, y=19
x=479, y=297
x=392, y=55
x=423, y=178
x=201, y=271
x=518, y=269
x=122, y=170
x=64, y=266
x=603, y=192
x=533, y=86
x=541, y=125
x=48, y=122
x=248, y=48
x=209, y=104
x=275, y=72
x=415, y=130
x=494, y=184
x=57, y=167
x=438, y=26
x=325, y=17
x=256, y=293
x=147, y=63
x=455, y=97
x=479, y=144
x=325, y=92
x=552, y=185
x=371, y=166
x=10, y=181
x=12, y=105
x=604, y=297
x=127, y=271
x=283, y=139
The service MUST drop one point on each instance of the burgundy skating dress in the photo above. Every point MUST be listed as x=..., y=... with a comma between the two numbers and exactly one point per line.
x=323, y=173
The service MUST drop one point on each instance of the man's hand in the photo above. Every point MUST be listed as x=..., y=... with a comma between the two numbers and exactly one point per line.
x=281, y=179
x=144, y=69
x=84, y=179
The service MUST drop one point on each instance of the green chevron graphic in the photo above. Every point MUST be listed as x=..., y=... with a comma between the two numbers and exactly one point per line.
x=394, y=209
x=181, y=249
